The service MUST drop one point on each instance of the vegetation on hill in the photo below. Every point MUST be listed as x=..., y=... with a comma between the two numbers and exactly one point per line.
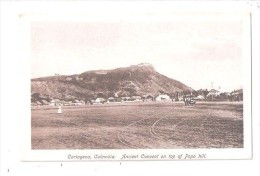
x=139, y=79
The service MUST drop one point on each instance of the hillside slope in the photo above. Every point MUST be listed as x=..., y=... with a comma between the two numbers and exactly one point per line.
x=134, y=80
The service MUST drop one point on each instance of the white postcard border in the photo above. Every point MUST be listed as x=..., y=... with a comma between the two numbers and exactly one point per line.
x=64, y=155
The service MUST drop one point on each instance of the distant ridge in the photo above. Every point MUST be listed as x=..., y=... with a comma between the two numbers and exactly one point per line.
x=141, y=79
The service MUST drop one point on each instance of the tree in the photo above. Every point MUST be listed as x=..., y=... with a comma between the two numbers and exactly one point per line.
x=36, y=95
x=205, y=92
x=195, y=93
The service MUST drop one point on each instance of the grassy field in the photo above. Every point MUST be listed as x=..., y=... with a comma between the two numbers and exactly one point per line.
x=143, y=125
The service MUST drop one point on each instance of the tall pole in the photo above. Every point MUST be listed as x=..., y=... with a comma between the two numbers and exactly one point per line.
x=212, y=90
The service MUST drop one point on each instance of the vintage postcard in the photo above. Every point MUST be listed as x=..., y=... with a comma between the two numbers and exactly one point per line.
x=155, y=84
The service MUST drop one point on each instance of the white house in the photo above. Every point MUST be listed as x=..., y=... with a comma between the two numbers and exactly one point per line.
x=100, y=100
x=54, y=102
x=82, y=102
x=110, y=100
x=78, y=102
x=136, y=98
x=44, y=102
x=200, y=97
x=162, y=97
x=213, y=93
x=125, y=98
x=78, y=78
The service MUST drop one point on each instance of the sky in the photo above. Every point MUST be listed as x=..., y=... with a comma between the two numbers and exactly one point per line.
x=195, y=52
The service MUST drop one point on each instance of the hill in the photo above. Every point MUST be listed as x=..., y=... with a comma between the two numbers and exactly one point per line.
x=141, y=79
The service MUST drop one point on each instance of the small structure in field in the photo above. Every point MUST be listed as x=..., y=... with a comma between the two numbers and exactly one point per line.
x=136, y=98
x=100, y=100
x=55, y=102
x=110, y=100
x=163, y=97
x=92, y=102
x=78, y=103
x=67, y=103
x=75, y=102
x=200, y=97
x=82, y=102
x=45, y=102
x=78, y=78
x=125, y=99
x=38, y=103
x=59, y=110
x=52, y=103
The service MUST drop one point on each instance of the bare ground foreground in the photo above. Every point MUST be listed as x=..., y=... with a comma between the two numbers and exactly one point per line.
x=144, y=125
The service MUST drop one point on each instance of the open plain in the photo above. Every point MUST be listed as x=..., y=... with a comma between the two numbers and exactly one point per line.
x=150, y=125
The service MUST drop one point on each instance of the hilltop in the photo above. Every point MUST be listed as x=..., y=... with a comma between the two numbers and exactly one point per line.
x=141, y=79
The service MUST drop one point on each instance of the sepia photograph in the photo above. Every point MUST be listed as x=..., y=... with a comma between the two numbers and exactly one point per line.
x=124, y=88
x=139, y=85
